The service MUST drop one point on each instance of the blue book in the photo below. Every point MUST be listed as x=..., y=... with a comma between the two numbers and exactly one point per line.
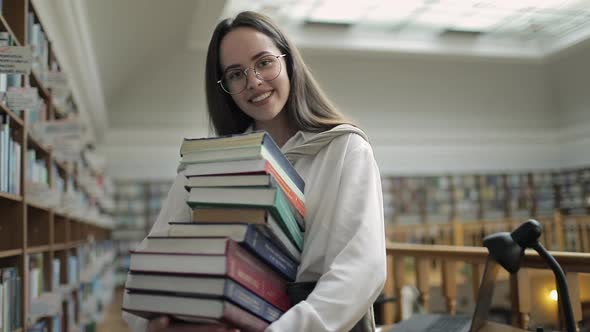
x=202, y=287
x=212, y=238
x=40, y=326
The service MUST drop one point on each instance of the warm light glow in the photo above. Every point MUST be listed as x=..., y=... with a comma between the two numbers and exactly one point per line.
x=553, y=295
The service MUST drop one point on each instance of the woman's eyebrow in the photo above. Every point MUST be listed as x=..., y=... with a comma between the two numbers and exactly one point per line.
x=254, y=57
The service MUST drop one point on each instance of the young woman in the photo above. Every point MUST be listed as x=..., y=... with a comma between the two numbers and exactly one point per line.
x=257, y=80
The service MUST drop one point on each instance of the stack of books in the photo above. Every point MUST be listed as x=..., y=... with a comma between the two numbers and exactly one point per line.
x=230, y=264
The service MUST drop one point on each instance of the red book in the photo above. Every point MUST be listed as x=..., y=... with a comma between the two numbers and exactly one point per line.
x=237, y=263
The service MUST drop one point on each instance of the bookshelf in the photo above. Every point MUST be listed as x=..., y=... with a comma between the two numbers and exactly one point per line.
x=55, y=249
x=138, y=204
x=476, y=197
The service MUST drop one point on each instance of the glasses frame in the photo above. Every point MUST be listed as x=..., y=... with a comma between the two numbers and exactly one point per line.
x=245, y=71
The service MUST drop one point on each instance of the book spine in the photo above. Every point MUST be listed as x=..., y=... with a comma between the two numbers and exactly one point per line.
x=269, y=253
x=297, y=204
x=251, y=273
x=281, y=211
x=273, y=231
x=282, y=162
x=295, y=194
x=250, y=302
x=235, y=316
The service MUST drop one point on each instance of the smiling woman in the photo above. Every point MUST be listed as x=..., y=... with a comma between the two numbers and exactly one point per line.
x=256, y=80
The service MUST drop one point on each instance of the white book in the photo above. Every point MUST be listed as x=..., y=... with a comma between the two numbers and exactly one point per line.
x=34, y=283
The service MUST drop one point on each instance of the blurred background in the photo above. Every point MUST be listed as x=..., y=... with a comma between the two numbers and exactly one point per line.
x=477, y=111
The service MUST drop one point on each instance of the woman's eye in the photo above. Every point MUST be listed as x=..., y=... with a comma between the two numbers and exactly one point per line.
x=234, y=75
x=264, y=63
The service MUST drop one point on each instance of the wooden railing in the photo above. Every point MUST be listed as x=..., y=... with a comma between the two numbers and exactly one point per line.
x=571, y=233
x=450, y=256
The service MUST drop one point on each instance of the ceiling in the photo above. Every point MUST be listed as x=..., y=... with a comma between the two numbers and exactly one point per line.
x=148, y=55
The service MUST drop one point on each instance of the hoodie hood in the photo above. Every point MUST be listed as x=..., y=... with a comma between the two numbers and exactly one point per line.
x=312, y=143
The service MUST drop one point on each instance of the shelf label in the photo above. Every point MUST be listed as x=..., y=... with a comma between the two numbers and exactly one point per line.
x=22, y=98
x=16, y=60
x=56, y=80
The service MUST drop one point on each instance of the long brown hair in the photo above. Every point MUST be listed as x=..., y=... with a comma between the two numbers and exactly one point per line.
x=308, y=109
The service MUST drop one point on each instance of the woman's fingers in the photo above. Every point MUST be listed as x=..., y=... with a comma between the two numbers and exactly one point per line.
x=158, y=324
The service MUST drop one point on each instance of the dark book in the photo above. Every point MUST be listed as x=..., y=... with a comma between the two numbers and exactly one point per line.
x=222, y=214
x=237, y=263
x=269, y=198
x=204, y=287
x=192, y=309
x=186, y=238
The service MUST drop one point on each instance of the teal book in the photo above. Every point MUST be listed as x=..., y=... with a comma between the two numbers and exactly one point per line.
x=269, y=198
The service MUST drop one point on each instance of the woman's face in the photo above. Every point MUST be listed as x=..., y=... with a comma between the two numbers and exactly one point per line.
x=247, y=48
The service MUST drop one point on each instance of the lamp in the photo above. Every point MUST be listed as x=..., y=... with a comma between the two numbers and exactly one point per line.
x=508, y=250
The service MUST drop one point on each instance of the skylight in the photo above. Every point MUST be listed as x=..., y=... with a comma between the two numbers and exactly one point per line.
x=542, y=22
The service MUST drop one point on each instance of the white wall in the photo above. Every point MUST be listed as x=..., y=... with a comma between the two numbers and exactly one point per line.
x=436, y=115
x=570, y=76
x=424, y=114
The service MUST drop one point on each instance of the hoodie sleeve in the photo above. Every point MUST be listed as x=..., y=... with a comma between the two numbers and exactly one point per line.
x=174, y=208
x=355, y=268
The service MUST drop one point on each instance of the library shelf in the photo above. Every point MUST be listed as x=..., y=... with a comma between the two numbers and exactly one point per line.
x=37, y=249
x=65, y=246
x=49, y=234
x=13, y=117
x=6, y=27
x=10, y=197
x=36, y=82
x=37, y=146
x=38, y=207
x=10, y=253
x=59, y=112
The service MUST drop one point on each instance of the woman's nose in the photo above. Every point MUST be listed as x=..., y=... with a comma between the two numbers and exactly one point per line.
x=252, y=79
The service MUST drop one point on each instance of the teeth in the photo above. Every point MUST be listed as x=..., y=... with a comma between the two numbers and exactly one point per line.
x=262, y=97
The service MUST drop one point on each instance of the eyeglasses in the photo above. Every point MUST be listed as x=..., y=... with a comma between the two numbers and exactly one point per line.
x=235, y=80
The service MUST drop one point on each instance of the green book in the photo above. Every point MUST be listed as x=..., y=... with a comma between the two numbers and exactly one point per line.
x=269, y=198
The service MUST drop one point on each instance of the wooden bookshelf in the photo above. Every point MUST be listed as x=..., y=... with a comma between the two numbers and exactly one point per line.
x=489, y=197
x=138, y=203
x=29, y=228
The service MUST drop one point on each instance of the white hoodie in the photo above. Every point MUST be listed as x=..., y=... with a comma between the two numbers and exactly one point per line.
x=344, y=246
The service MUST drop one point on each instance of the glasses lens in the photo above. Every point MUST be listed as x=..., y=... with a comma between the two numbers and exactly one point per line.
x=268, y=68
x=234, y=81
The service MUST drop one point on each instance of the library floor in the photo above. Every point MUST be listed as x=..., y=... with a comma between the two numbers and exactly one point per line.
x=112, y=321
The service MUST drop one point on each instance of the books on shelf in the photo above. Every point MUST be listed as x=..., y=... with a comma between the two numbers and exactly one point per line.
x=11, y=298
x=521, y=199
x=493, y=197
x=10, y=160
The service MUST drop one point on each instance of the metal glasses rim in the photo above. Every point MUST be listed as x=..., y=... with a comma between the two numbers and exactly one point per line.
x=276, y=56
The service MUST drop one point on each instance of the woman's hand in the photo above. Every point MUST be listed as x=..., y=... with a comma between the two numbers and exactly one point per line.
x=162, y=324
